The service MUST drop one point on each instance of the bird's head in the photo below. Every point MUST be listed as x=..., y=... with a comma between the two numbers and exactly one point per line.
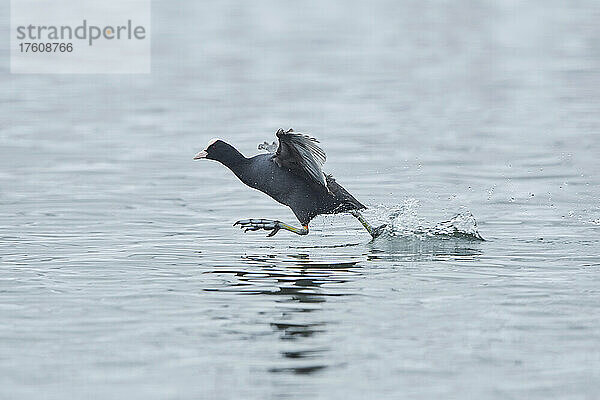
x=220, y=151
x=216, y=149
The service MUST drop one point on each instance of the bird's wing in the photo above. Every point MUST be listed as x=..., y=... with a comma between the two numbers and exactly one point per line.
x=269, y=148
x=301, y=153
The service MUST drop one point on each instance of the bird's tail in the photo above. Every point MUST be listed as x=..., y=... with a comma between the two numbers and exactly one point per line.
x=349, y=202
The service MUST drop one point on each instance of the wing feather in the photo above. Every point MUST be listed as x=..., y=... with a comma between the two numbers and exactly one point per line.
x=269, y=148
x=301, y=153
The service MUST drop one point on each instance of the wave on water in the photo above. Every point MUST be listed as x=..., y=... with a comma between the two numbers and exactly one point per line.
x=404, y=221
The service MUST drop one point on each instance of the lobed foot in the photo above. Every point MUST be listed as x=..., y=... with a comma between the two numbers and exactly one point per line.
x=257, y=224
x=376, y=232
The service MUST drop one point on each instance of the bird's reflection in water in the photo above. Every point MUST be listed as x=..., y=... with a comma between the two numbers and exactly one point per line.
x=301, y=285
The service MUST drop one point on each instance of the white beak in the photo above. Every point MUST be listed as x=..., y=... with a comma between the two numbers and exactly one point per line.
x=201, y=155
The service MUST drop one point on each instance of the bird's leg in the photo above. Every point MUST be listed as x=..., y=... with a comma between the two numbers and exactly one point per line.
x=374, y=232
x=269, y=225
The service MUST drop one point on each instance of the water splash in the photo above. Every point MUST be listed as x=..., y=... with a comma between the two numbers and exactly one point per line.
x=404, y=221
x=461, y=225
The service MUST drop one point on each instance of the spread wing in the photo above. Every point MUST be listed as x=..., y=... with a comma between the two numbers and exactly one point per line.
x=301, y=153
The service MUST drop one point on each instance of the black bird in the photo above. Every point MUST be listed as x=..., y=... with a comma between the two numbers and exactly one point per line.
x=292, y=175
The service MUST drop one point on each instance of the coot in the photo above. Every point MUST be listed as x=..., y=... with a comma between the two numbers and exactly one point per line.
x=291, y=173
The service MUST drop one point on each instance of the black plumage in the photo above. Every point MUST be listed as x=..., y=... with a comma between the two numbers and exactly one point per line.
x=292, y=175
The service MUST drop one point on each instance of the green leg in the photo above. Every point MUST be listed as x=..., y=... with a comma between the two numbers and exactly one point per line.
x=374, y=232
x=269, y=225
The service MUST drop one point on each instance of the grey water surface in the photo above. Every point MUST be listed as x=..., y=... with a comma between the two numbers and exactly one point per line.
x=121, y=273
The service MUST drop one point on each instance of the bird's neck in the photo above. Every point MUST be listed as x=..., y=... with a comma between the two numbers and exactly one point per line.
x=236, y=162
